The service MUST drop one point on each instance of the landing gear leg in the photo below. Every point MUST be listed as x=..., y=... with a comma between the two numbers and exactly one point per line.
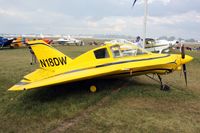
x=163, y=87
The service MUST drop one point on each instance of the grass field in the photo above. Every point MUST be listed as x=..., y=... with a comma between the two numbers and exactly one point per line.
x=121, y=105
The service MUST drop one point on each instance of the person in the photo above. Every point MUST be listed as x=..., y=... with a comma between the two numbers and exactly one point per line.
x=33, y=60
x=138, y=41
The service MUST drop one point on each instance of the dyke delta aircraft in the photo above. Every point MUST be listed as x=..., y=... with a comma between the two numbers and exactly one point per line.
x=107, y=61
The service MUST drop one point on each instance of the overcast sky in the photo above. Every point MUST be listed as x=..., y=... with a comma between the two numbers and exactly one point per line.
x=180, y=18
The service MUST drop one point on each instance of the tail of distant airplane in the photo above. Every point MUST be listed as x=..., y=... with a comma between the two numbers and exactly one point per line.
x=48, y=57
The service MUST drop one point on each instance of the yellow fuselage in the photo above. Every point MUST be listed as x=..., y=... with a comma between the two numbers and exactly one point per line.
x=56, y=68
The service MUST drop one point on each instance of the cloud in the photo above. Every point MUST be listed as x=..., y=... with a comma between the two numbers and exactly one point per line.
x=157, y=25
x=191, y=16
x=92, y=24
x=12, y=13
x=112, y=24
x=179, y=17
x=165, y=2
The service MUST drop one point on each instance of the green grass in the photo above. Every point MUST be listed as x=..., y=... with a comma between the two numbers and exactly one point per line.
x=128, y=105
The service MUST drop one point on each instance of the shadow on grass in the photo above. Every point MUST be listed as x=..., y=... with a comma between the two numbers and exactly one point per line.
x=59, y=100
x=79, y=90
x=72, y=90
x=68, y=99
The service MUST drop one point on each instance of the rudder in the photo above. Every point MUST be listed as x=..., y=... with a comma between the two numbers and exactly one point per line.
x=48, y=57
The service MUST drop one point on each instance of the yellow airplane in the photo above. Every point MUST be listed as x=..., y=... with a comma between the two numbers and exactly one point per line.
x=109, y=60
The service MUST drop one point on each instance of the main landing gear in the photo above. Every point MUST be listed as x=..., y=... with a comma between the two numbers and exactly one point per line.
x=163, y=86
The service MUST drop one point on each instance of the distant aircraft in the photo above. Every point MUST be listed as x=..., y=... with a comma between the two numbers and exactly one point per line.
x=5, y=42
x=152, y=45
x=18, y=42
x=159, y=45
x=120, y=41
x=44, y=38
x=69, y=41
x=107, y=61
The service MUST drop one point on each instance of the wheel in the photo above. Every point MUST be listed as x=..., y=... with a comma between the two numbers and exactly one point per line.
x=165, y=87
x=93, y=88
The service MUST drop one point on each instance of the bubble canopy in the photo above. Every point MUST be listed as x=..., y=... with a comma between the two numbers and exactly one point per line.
x=123, y=47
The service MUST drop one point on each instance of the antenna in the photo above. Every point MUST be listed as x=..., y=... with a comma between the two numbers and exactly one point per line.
x=145, y=21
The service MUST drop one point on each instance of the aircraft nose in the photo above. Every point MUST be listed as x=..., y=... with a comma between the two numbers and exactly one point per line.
x=186, y=59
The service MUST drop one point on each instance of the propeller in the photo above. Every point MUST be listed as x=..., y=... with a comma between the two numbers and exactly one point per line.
x=184, y=66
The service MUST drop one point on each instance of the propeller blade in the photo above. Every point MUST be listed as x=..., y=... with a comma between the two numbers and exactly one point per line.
x=184, y=66
x=134, y=3
x=185, y=73
x=183, y=52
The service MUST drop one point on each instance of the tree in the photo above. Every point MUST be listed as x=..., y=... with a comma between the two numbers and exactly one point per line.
x=171, y=38
x=180, y=39
x=163, y=38
x=191, y=40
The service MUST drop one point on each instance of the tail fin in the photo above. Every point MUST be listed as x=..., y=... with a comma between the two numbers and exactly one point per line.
x=48, y=57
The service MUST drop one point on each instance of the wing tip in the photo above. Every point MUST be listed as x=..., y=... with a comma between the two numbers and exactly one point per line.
x=17, y=88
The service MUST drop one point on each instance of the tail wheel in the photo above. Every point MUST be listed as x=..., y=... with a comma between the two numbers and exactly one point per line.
x=93, y=88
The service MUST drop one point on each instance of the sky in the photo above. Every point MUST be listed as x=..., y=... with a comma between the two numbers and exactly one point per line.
x=180, y=18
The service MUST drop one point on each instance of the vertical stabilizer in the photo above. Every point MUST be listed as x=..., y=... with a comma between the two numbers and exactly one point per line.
x=48, y=57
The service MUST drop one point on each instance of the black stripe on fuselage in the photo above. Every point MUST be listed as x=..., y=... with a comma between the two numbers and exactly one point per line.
x=128, y=61
x=22, y=83
x=104, y=65
x=78, y=70
x=135, y=72
x=40, y=43
x=46, y=45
